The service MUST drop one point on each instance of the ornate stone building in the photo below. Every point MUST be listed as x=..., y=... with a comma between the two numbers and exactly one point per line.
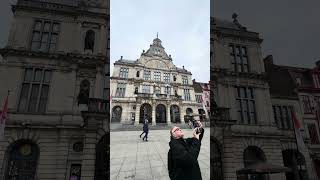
x=246, y=130
x=152, y=87
x=53, y=67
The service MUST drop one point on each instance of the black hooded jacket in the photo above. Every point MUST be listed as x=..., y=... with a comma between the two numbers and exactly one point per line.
x=183, y=158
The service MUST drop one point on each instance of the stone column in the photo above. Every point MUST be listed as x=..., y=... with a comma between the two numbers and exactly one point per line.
x=89, y=150
x=168, y=114
x=182, y=114
x=102, y=40
x=153, y=114
x=98, y=84
x=137, y=115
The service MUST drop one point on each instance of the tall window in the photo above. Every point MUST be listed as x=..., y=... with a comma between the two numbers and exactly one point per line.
x=198, y=98
x=306, y=104
x=106, y=87
x=157, y=76
x=147, y=75
x=45, y=35
x=121, y=89
x=282, y=116
x=186, y=94
x=246, y=105
x=184, y=79
x=34, y=91
x=146, y=89
x=313, y=134
x=167, y=90
x=166, y=77
x=239, y=58
x=124, y=72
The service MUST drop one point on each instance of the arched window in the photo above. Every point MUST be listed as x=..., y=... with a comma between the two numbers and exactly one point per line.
x=251, y=156
x=83, y=97
x=22, y=160
x=116, y=114
x=138, y=73
x=89, y=40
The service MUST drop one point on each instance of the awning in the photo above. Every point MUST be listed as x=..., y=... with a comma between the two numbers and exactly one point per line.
x=263, y=168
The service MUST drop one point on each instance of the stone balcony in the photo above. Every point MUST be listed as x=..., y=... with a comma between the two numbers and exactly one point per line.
x=158, y=96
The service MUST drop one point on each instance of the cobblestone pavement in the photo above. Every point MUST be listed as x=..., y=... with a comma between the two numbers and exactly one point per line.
x=134, y=159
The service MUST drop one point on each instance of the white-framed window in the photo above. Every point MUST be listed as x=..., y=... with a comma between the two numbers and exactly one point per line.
x=146, y=75
x=121, y=89
x=146, y=89
x=185, y=80
x=186, y=94
x=166, y=77
x=124, y=72
x=157, y=76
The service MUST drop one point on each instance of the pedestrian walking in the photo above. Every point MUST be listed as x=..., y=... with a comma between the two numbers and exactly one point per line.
x=145, y=130
x=183, y=154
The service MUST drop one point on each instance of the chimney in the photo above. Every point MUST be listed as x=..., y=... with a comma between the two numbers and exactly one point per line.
x=121, y=57
x=182, y=67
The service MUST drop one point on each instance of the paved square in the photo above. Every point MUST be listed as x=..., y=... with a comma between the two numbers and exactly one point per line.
x=134, y=159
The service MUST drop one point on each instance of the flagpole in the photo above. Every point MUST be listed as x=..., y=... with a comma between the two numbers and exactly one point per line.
x=295, y=134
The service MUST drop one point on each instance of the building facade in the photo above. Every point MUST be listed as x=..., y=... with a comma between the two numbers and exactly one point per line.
x=246, y=126
x=152, y=88
x=301, y=85
x=53, y=67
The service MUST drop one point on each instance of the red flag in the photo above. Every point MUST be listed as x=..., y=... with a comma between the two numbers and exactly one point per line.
x=3, y=117
x=297, y=130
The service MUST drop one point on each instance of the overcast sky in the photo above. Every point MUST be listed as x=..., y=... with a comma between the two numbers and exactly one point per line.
x=183, y=27
x=290, y=28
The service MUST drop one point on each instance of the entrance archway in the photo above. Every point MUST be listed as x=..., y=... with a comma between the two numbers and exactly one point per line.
x=161, y=114
x=175, y=114
x=189, y=111
x=116, y=114
x=145, y=113
x=22, y=160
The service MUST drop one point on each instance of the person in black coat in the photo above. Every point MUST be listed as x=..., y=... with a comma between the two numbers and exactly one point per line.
x=183, y=155
x=145, y=130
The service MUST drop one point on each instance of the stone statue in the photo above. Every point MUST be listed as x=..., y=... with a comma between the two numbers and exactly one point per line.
x=83, y=97
x=89, y=40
